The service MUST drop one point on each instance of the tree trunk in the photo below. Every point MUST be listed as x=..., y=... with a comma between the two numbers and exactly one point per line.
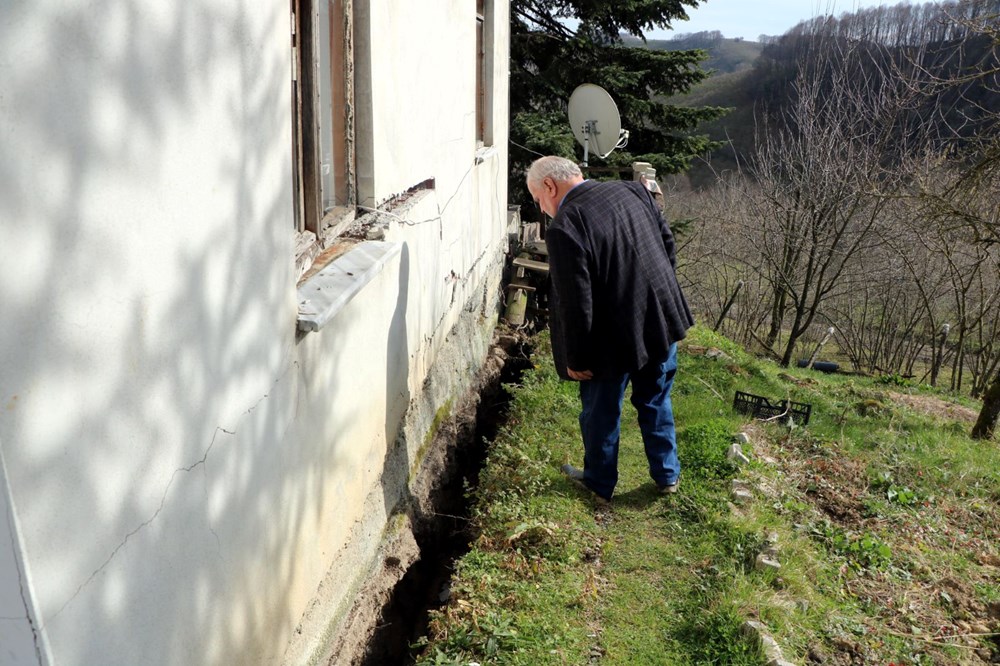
x=786, y=358
x=777, y=317
x=987, y=421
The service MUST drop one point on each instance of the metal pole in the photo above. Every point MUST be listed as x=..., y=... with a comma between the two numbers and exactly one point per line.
x=826, y=338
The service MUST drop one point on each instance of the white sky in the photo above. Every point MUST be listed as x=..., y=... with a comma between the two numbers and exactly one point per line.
x=752, y=18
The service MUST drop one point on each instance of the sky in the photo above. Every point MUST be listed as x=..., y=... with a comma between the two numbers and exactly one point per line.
x=751, y=18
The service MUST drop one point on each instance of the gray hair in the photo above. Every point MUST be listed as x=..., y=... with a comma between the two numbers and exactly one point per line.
x=558, y=169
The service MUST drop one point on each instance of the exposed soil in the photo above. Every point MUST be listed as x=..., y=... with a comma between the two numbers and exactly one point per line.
x=410, y=587
x=926, y=404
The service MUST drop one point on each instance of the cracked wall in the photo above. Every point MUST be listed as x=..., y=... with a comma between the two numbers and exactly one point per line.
x=186, y=470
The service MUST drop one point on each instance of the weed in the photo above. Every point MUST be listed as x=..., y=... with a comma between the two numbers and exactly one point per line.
x=896, y=493
x=484, y=638
x=862, y=551
x=715, y=636
x=894, y=380
x=704, y=450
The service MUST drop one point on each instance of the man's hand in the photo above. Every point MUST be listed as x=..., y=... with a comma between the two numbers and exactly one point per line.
x=581, y=376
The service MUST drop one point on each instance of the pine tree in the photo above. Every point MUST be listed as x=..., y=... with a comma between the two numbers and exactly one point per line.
x=549, y=58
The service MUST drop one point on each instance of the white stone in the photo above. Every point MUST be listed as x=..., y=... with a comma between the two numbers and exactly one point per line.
x=754, y=628
x=735, y=453
x=765, y=563
x=772, y=652
x=718, y=354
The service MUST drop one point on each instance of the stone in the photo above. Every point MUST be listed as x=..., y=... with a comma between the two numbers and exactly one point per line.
x=506, y=340
x=765, y=563
x=757, y=630
x=718, y=354
x=735, y=453
x=771, y=650
x=743, y=438
x=753, y=628
x=741, y=496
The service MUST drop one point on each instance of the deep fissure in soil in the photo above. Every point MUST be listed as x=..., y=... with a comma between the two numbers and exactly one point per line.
x=445, y=535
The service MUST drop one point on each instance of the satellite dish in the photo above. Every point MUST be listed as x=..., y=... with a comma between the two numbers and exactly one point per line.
x=594, y=118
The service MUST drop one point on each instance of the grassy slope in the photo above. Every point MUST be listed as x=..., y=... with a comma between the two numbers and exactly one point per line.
x=886, y=522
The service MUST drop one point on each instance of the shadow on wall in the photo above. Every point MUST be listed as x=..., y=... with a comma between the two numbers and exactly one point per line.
x=396, y=465
x=161, y=506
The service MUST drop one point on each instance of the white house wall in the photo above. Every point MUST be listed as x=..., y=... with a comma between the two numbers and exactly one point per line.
x=185, y=468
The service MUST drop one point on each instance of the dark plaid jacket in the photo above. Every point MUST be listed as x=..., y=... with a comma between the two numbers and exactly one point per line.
x=615, y=303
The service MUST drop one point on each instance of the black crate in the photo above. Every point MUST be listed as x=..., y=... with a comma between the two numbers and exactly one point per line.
x=760, y=407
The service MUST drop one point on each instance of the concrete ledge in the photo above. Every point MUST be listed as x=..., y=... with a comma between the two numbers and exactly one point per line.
x=325, y=294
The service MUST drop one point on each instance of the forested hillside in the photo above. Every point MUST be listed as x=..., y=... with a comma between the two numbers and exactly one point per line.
x=867, y=198
x=753, y=79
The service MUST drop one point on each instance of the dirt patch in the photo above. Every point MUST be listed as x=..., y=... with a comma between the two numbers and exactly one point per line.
x=920, y=598
x=926, y=404
x=392, y=609
x=833, y=483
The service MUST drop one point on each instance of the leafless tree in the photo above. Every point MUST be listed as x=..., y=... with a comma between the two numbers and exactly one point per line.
x=959, y=187
x=880, y=319
x=714, y=261
x=812, y=192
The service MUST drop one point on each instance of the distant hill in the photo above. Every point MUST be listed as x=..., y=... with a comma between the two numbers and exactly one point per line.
x=732, y=84
x=725, y=55
x=749, y=75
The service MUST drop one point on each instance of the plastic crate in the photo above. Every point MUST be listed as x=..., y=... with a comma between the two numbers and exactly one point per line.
x=760, y=407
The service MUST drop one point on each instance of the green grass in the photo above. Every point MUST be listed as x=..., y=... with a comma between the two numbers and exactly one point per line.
x=885, y=521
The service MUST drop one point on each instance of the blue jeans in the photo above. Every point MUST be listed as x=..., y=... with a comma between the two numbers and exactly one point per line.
x=600, y=424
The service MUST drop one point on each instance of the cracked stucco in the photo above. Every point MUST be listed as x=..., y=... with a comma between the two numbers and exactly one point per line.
x=166, y=491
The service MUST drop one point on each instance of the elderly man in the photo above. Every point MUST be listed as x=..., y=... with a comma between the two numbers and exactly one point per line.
x=617, y=313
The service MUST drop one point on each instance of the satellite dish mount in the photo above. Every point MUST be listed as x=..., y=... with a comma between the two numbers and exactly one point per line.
x=595, y=121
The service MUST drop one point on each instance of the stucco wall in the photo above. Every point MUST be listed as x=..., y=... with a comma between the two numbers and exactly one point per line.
x=185, y=468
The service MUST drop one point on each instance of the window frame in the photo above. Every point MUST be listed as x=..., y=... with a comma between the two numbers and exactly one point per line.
x=484, y=73
x=322, y=212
